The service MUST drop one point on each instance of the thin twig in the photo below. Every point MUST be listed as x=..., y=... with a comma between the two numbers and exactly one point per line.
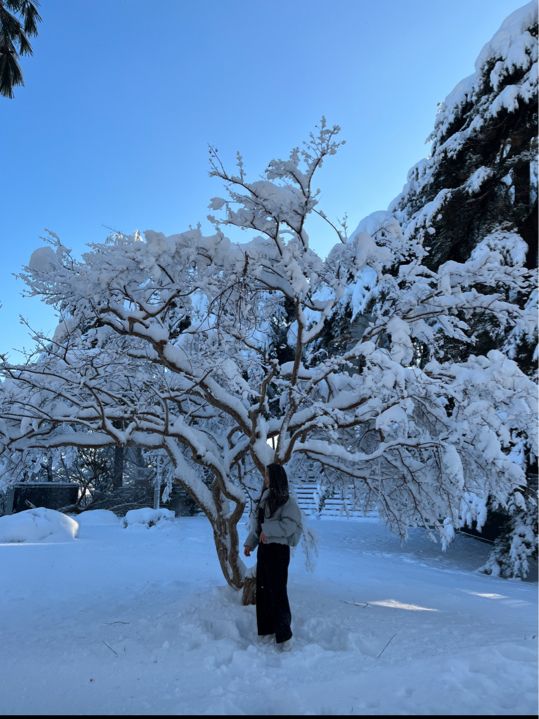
x=111, y=649
x=386, y=646
x=356, y=604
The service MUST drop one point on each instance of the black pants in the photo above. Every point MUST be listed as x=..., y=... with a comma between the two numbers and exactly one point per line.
x=272, y=608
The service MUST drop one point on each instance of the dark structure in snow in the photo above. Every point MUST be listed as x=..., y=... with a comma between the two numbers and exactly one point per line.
x=53, y=495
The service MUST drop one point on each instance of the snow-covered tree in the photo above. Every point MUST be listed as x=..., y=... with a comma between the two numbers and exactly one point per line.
x=444, y=315
x=481, y=173
x=168, y=343
x=517, y=545
x=479, y=186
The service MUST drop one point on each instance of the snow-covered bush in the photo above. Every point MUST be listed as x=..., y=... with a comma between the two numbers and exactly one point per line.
x=37, y=525
x=147, y=517
x=97, y=517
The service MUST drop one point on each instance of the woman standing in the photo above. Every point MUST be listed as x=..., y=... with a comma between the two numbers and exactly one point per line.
x=275, y=527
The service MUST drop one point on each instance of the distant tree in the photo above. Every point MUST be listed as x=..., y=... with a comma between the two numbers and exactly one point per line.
x=18, y=22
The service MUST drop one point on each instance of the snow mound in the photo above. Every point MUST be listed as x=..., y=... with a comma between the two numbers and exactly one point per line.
x=97, y=517
x=148, y=517
x=37, y=525
x=42, y=260
x=380, y=223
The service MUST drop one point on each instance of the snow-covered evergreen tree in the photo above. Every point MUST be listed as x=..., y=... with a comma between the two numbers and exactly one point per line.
x=473, y=203
x=481, y=175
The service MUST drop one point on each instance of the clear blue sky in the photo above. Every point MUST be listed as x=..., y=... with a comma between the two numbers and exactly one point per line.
x=122, y=98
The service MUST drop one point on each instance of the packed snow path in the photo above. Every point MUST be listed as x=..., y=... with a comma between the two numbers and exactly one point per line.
x=138, y=621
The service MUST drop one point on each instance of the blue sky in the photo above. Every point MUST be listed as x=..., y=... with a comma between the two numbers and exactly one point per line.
x=122, y=98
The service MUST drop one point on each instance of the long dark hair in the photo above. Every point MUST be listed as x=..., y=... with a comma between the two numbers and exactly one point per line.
x=278, y=486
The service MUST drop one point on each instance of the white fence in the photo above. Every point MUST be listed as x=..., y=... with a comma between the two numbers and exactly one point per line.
x=314, y=503
x=339, y=504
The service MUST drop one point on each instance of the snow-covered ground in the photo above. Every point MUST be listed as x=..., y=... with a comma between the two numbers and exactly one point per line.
x=138, y=620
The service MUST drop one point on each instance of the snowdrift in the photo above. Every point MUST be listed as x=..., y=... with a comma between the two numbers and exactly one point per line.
x=38, y=525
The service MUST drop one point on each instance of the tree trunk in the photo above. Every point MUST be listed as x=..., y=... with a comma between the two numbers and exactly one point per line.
x=225, y=536
x=118, y=471
x=50, y=477
x=225, y=530
x=157, y=492
x=227, y=546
